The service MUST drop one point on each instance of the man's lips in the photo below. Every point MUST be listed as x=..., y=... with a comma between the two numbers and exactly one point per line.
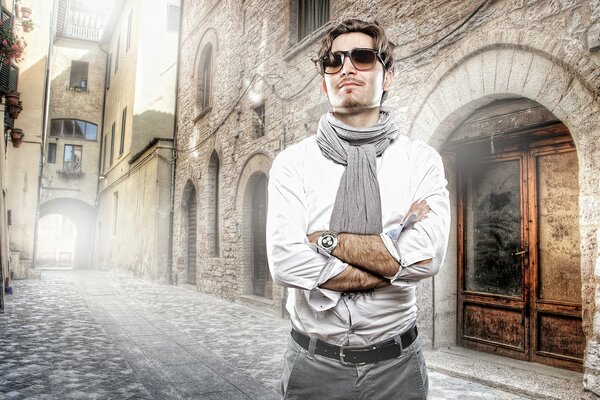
x=349, y=83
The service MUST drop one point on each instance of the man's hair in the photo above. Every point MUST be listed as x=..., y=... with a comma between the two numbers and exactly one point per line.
x=372, y=29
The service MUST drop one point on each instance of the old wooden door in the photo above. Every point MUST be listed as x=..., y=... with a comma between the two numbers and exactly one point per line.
x=519, y=269
x=191, y=236
x=261, y=277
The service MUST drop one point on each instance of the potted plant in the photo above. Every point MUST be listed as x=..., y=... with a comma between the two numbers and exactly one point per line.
x=11, y=46
x=27, y=25
x=15, y=110
x=16, y=136
x=12, y=98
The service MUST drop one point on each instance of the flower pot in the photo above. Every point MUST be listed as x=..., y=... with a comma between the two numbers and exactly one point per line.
x=16, y=136
x=12, y=98
x=14, y=111
x=25, y=12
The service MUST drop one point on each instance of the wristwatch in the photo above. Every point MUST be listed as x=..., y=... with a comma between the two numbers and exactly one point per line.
x=327, y=241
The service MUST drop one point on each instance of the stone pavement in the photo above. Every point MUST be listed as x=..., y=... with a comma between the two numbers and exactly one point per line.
x=94, y=335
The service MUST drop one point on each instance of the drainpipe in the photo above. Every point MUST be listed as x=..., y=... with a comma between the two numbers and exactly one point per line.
x=45, y=114
x=100, y=158
x=169, y=277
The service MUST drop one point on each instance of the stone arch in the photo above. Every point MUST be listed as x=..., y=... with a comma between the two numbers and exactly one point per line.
x=475, y=77
x=83, y=217
x=256, y=167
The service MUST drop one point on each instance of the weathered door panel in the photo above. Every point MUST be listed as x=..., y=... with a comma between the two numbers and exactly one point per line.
x=557, y=335
x=519, y=261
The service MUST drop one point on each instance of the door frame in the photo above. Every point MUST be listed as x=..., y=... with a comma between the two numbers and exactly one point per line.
x=523, y=145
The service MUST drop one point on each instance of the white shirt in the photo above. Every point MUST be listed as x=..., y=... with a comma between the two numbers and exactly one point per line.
x=302, y=188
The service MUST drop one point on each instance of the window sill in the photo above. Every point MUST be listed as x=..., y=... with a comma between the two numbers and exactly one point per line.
x=202, y=114
x=307, y=41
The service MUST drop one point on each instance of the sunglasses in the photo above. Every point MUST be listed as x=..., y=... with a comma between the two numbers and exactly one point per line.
x=362, y=59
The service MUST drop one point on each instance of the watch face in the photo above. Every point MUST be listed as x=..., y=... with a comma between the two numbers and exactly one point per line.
x=327, y=241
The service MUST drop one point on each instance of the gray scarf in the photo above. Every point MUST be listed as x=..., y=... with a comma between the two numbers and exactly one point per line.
x=357, y=207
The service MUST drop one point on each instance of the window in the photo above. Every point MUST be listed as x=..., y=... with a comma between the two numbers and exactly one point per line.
x=68, y=229
x=79, y=76
x=51, y=153
x=312, y=14
x=112, y=142
x=104, y=153
x=213, y=205
x=115, y=210
x=72, y=158
x=172, y=18
x=258, y=121
x=108, y=70
x=117, y=54
x=129, y=30
x=204, y=79
x=73, y=129
x=123, y=124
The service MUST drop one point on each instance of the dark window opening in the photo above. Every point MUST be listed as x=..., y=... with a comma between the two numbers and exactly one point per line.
x=258, y=121
x=312, y=14
x=51, y=153
x=123, y=124
x=79, y=76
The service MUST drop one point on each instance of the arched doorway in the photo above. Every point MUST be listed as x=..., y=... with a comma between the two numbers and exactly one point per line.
x=261, y=278
x=190, y=216
x=519, y=284
x=73, y=221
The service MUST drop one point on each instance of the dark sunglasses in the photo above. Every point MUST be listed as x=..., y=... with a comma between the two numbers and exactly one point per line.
x=362, y=59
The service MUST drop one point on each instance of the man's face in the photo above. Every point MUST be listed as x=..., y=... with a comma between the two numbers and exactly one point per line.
x=351, y=90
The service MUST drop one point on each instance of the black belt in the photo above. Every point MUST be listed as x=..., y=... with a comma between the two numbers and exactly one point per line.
x=353, y=355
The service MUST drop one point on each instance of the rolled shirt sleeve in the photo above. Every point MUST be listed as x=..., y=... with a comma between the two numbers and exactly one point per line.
x=292, y=261
x=428, y=238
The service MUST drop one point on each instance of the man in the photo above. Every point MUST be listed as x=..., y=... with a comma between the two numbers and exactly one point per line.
x=358, y=214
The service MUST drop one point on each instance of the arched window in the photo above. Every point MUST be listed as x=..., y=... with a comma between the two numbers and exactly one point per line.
x=73, y=129
x=204, y=79
x=213, y=205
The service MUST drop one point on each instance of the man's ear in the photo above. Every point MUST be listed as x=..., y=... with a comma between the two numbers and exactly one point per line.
x=388, y=80
x=324, y=85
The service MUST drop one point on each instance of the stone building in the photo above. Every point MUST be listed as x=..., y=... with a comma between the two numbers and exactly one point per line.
x=133, y=223
x=506, y=91
x=71, y=149
x=20, y=180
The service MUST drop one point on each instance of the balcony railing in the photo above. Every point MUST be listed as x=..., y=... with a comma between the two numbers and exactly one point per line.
x=82, y=32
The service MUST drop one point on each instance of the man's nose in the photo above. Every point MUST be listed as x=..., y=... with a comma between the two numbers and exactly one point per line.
x=348, y=67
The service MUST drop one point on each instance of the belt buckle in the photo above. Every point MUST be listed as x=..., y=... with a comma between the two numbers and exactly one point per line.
x=343, y=358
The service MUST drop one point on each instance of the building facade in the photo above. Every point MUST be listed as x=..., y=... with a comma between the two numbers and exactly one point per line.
x=132, y=228
x=505, y=91
x=28, y=77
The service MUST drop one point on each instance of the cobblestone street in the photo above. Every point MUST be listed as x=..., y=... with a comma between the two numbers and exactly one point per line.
x=95, y=335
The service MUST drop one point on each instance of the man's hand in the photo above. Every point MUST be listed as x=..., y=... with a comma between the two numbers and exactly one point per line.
x=419, y=209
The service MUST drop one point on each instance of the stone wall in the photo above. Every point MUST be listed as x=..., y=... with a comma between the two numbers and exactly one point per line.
x=451, y=59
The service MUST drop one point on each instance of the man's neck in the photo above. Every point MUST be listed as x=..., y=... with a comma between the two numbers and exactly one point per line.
x=361, y=119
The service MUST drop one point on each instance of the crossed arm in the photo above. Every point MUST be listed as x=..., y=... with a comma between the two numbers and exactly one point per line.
x=369, y=261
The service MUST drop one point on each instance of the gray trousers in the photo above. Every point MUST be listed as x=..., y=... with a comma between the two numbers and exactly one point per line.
x=311, y=376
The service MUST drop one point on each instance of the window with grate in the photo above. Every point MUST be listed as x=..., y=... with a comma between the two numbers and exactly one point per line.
x=312, y=14
x=73, y=129
x=79, y=76
x=258, y=121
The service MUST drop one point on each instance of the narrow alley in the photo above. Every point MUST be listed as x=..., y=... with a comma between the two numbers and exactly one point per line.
x=93, y=335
